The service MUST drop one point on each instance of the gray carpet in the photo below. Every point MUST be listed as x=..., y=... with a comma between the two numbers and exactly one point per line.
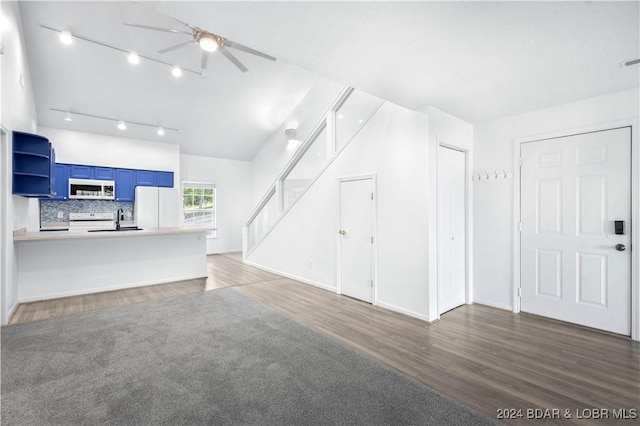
x=211, y=358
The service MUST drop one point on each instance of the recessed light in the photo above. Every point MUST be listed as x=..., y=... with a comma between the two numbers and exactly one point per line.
x=133, y=58
x=65, y=37
x=176, y=71
x=160, y=131
x=122, y=125
x=67, y=116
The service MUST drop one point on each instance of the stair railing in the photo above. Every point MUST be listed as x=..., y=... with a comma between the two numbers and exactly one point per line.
x=289, y=186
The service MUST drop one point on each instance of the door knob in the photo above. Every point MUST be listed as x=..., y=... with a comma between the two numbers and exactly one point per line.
x=620, y=247
x=342, y=232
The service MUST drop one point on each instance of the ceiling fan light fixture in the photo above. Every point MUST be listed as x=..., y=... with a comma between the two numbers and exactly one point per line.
x=65, y=37
x=176, y=71
x=160, y=131
x=122, y=125
x=133, y=58
x=208, y=43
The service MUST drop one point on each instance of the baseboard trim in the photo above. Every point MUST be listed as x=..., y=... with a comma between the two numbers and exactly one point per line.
x=104, y=289
x=493, y=305
x=225, y=251
x=291, y=276
x=12, y=310
x=403, y=311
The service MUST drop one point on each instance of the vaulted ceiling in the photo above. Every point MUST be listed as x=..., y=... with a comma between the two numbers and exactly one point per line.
x=476, y=60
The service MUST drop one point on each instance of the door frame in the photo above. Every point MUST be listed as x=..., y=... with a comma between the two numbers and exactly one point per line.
x=5, y=178
x=635, y=210
x=374, y=253
x=468, y=294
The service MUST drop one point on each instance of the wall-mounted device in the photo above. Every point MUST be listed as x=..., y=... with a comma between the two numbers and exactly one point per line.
x=618, y=227
x=90, y=189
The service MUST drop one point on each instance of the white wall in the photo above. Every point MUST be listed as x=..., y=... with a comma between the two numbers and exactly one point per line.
x=233, y=189
x=101, y=150
x=17, y=112
x=271, y=159
x=446, y=129
x=393, y=145
x=493, y=199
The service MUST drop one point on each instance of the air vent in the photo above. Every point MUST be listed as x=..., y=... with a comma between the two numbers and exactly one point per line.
x=630, y=62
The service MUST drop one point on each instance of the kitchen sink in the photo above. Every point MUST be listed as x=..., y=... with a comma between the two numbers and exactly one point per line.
x=124, y=228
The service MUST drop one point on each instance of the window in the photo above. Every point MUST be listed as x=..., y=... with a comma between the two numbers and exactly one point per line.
x=199, y=206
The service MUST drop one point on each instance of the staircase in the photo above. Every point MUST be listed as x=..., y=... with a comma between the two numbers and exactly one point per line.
x=349, y=113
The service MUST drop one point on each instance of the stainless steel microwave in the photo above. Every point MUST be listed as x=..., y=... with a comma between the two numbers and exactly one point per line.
x=89, y=189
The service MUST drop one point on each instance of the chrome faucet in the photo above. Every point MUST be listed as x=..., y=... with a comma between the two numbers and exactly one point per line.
x=119, y=217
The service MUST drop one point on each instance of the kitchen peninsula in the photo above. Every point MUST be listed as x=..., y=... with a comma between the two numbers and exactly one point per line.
x=65, y=263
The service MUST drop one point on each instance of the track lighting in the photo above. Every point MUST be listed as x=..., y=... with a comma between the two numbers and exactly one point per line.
x=122, y=125
x=176, y=71
x=133, y=58
x=65, y=37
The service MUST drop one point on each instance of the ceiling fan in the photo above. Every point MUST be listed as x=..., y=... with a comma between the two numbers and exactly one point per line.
x=208, y=42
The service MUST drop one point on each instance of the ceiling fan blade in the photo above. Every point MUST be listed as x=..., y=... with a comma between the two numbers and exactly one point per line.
x=165, y=30
x=177, y=46
x=205, y=60
x=243, y=48
x=233, y=59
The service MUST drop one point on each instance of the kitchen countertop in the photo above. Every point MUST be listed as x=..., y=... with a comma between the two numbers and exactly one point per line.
x=62, y=235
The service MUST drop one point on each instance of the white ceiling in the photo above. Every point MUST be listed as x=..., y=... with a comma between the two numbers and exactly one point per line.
x=228, y=114
x=476, y=60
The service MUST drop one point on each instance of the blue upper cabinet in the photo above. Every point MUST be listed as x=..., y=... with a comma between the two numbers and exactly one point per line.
x=124, y=184
x=61, y=182
x=103, y=173
x=164, y=179
x=33, y=165
x=80, y=172
x=145, y=178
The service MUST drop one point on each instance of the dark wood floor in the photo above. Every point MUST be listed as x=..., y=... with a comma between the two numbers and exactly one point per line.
x=486, y=358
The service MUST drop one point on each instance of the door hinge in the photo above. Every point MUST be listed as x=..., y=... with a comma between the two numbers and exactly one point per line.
x=520, y=226
x=519, y=291
x=371, y=283
x=372, y=195
x=371, y=240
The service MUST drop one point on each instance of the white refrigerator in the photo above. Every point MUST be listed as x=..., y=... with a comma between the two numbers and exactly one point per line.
x=156, y=207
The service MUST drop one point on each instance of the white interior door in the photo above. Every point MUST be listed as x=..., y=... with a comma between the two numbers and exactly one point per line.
x=573, y=189
x=356, y=238
x=451, y=228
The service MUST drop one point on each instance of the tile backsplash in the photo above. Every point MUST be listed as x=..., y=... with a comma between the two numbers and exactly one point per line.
x=49, y=209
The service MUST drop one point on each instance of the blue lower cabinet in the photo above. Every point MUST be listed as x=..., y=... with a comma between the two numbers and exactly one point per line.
x=145, y=178
x=103, y=173
x=80, y=172
x=124, y=184
x=164, y=179
x=61, y=182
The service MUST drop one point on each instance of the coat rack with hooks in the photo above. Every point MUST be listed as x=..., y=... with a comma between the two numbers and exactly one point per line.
x=492, y=175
